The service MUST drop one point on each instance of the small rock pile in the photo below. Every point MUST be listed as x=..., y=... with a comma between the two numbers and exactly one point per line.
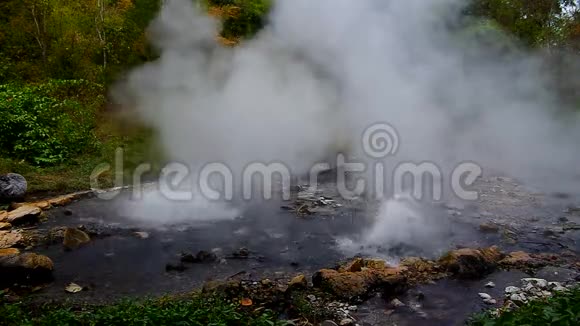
x=532, y=289
x=310, y=201
x=29, y=268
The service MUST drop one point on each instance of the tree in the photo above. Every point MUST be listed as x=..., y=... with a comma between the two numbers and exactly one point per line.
x=534, y=22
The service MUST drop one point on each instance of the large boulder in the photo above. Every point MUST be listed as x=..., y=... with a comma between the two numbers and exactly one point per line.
x=74, y=238
x=298, y=282
x=9, y=239
x=471, y=263
x=28, y=268
x=360, y=278
x=12, y=186
x=23, y=214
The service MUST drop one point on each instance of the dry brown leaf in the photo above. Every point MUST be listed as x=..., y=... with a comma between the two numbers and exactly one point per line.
x=246, y=302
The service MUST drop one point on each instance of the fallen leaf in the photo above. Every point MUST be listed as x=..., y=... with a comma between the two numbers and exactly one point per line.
x=73, y=288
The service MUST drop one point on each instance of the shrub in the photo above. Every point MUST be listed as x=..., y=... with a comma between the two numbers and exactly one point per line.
x=250, y=20
x=47, y=124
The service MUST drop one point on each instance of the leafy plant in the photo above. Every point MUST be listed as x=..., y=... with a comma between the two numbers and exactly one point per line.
x=43, y=125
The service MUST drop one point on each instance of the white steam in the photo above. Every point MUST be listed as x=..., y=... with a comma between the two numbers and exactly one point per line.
x=322, y=71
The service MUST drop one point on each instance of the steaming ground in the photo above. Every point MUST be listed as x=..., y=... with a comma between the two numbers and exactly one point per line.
x=402, y=224
x=321, y=72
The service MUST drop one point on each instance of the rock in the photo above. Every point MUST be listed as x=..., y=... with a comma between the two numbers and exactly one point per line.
x=535, y=282
x=68, y=212
x=24, y=214
x=553, y=231
x=471, y=263
x=5, y=226
x=518, y=298
x=266, y=282
x=328, y=323
x=298, y=282
x=349, y=285
x=397, y=303
x=63, y=200
x=489, y=228
x=420, y=296
x=242, y=253
x=418, y=265
x=9, y=252
x=74, y=238
x=169, y=267
x=512, y=289
x=546, y=294
x=12, y=186
x=345, y=285
x=487, y=298
x=518, y=259
x=358, y=264
x=27, y=268
x=9, y=239
x=311, y=297
x=3, y=216
x=557, y=287
x=346, y=322
x=490, y=285
x=201, y=257
x=375, y=263
x=353, y=266
x=352, y=308
x=233, y=287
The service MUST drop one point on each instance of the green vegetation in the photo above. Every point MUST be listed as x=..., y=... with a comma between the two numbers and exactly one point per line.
x=191, y=311
x=45, y=124
x=56, y=61
x=249, y=21
x=536, y=23
x=561, y=310
x=59, y=57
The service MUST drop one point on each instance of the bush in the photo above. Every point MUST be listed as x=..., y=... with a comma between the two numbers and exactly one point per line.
x=47, y=124
x=250, y=20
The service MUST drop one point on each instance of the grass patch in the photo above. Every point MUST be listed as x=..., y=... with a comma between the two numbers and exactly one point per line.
x=561, y=310
x=197, y=310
